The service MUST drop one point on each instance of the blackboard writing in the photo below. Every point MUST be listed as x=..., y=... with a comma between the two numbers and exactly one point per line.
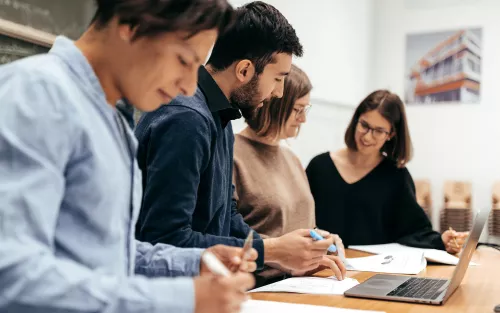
x=12, y=49
x=58, y=17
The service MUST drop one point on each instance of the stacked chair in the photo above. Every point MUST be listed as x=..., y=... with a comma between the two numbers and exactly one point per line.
x=423, y=194
x=494, y=221
x=457, y=211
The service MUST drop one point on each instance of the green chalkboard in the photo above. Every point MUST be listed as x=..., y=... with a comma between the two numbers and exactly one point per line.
x=58, y=17
x=12, y=49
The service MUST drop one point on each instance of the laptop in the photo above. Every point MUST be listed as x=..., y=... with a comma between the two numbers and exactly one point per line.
x=421, y=289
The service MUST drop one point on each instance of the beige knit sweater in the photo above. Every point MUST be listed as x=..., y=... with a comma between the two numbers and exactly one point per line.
x=272, y=190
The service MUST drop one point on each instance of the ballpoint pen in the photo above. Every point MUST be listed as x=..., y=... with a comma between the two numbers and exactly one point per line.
x=214, y=264
x=454, y=239
x=247, y=247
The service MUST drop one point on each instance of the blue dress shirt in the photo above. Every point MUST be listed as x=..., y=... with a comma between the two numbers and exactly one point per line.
x=67, y=169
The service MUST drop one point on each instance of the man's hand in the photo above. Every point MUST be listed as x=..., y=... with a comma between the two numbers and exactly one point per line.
x=216, y=294
x=231, y=258
x=454, y=241
x=296, y=251
x=331, y=262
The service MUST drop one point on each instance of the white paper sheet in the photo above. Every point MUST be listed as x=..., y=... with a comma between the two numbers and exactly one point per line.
x=310, y=285
x=395, y=263
x=256, y=306
x=432, y=255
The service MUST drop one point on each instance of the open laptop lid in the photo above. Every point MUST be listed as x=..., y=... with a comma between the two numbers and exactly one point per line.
x=468, y=251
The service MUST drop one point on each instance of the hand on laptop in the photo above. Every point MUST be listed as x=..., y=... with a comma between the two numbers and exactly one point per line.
x=231, y=258
x=454, y=241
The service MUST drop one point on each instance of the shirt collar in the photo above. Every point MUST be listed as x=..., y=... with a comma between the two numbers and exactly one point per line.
x=66, y=49
x=127, y=110
x=216, y=100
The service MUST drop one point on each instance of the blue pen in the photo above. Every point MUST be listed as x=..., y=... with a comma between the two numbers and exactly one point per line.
x=317, y=236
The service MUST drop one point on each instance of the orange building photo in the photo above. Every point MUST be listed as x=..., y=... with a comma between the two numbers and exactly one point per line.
x=443, y=67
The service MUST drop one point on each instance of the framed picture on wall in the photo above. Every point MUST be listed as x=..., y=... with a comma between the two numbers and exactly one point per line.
x=443, y=67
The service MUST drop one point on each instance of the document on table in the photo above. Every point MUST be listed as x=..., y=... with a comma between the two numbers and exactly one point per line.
x=257, y=306
x=310, y=285
x=395, y=263
x=432, y=255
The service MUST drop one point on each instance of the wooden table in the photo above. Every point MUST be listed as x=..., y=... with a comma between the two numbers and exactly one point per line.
x=479, y=292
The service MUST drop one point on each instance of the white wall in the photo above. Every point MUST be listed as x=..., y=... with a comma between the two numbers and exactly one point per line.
x=337, y=39
x=451, y=141
x=355, y=47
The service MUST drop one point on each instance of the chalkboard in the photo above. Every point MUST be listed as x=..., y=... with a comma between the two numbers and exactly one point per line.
x=58, y=17
x=12, y=49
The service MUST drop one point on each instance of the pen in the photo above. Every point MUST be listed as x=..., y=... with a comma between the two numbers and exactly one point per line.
x=317, y=236
x=454, y=239
x=214, y=265
x=247, y=247
x=245, y=254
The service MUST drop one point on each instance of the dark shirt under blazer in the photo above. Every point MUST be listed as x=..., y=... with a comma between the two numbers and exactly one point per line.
x=186, y=157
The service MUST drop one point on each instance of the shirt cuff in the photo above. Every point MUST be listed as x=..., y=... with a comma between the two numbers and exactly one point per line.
x=166, y=260
x=439, y=244
x=258, y=244
x=186, y=262
x=173, y=295
x=196, y=262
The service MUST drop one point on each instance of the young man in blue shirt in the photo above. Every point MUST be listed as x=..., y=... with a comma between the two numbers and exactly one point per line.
x=70, y=186
x=186, y=148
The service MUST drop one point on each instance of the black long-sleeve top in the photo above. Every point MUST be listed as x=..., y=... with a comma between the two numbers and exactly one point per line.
x=379, y=208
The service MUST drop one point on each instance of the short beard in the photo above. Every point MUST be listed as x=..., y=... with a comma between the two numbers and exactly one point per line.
x=249, y=114
x=246, y=97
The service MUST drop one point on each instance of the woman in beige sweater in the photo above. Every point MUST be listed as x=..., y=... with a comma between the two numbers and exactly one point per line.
x=272, y=190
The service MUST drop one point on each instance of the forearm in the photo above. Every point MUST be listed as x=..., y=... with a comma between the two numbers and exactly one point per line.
x=185, y=237
x=410, y=225
x=271, y=252
x=166, y=260
x=424, y=238
x=240, y=229
x=41, y=283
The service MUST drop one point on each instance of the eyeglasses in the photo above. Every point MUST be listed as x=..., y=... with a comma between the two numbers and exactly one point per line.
x=302, y=110
x=377, y=133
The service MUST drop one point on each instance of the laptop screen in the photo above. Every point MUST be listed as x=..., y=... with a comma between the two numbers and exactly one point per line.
x=468, y=251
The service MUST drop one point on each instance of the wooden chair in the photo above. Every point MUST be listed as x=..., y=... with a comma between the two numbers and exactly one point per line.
x=457, y=211
x=423, y=194
x=494, y=220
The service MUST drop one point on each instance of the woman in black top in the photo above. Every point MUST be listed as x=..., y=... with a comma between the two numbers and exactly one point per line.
x=364, y=193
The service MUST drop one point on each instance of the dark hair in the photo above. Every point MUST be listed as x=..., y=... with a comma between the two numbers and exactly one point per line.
x=259, y=31
x=389, y=105
x=152, y=17
x=271, y=118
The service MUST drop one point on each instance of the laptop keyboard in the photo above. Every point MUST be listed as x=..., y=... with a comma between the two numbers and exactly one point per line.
x=419, y=288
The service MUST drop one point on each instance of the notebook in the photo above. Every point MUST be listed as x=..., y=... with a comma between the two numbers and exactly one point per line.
x=310, y=285
x=432, y=255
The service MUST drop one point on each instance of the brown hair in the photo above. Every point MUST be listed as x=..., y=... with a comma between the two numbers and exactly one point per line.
x=153, y=17
x=271, y=118
x=389, y=105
